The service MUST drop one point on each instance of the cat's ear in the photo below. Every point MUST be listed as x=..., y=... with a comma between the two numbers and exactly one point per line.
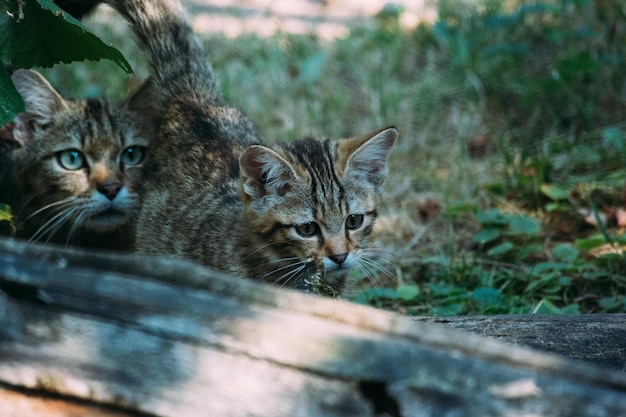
x=367, y=157
x=264, y=172
x=147, y=102
x=41, y=101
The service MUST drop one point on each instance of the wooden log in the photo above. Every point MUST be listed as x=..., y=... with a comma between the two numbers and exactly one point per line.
x=147, y=336
x=595, y=338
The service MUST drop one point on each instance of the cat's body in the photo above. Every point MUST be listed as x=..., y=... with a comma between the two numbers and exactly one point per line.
x=76, y=170
x=289, y=214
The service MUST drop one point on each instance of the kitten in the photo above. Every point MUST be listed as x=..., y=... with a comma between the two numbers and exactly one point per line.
x=77, y=168
x=293, y=214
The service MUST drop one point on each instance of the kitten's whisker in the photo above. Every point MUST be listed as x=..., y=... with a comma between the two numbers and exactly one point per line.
x=78, y=221
x=383, y=253
x=368, y=274
x=281, y=268
x=45, y=228
x=52, y=225
x=289, y=275
x=294, y=258
x=261, y=247
x=374, y=265
x=66, y=202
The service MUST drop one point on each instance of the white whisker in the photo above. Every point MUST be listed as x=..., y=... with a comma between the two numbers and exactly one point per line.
x=66, y=202
x=281, y=268
x=289, y=275
x=52, y=225
x=377, y=266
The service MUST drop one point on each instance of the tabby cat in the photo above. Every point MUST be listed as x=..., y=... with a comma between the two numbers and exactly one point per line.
x=77, y=166
x=294, y=214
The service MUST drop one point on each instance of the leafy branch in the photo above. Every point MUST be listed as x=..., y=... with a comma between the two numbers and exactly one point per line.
x=37, y=33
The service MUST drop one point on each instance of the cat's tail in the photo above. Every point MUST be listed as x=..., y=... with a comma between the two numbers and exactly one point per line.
x=179, y=63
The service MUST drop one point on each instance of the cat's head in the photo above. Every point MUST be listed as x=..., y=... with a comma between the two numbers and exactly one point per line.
x=79, y=162
x=312, y=204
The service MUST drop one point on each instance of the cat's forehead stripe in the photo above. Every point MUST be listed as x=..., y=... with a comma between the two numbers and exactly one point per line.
x=327, y=192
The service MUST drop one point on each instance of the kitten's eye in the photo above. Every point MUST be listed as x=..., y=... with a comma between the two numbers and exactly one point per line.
x=71, y=159
x=354, y=221
x=133, y=155
x=307, y=229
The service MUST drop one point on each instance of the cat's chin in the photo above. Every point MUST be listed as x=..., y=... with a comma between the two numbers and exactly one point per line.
x=107, y=220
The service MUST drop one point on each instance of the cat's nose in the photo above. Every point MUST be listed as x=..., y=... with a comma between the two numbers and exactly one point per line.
x=110, y=190
x=339, y=258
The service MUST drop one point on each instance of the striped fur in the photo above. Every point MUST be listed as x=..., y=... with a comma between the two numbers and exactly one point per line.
x=287, y=214
x=91, y=203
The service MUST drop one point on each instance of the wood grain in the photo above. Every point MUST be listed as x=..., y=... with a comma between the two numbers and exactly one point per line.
x=155, y=336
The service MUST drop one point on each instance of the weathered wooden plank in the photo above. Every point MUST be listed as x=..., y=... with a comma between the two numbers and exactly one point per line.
x=167, y=337
x=19, y=403
x=597, y=338
x=114, y=363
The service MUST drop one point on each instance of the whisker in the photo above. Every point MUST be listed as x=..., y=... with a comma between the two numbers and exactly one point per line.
x=65, y=202
x=78, y=221
x=289, y=275
x=261, y=247
x=280, y=269
x=384, y=254
x=51, y=226
x=378, y=267
x=294, y=258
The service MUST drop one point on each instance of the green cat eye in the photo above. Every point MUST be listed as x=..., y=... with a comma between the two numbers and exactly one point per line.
x=354, y=221
x=71, y=159
x=307, y=229
x=133, y=155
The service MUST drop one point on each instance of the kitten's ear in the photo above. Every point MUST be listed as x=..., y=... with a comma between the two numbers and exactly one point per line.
x=367, y=157
x=41, y=101
x=147, y=102
x=264, y=172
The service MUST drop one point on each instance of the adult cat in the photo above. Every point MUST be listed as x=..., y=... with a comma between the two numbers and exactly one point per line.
x=295, y=214
x=77, y=167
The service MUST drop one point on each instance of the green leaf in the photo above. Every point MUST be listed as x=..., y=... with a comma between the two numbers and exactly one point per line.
x=492, y=217
x=571, y=309
x=486, y=236
x=501, y=249
x=543, y=267
x=11, y=102
x=610, y=303
x=554, y=192
x=453, y=309
x=523, y=225
x=407, y=292
x=7, y=228
x=529, y=250
x=38, y=33
x=370, y=295
x=614, y=137
x=487, y=297
x=546, y=307
x=565, y=252
x=5, y=213
x=591, y=242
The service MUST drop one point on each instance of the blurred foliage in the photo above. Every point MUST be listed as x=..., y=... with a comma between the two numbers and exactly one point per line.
x=39, y=34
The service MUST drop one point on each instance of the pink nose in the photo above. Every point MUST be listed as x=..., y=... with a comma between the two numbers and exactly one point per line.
x=110, y=190
x=339, y=258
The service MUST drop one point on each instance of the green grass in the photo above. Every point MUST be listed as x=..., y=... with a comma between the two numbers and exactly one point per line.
x=513, y=131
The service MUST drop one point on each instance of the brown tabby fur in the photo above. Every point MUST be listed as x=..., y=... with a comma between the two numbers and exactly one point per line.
x=286, y=214
x=91, y=205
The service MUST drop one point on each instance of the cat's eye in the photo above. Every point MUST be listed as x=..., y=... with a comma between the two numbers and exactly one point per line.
x=354, y=221
x=307, y=229
x=133, y=155
x=71, y=159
